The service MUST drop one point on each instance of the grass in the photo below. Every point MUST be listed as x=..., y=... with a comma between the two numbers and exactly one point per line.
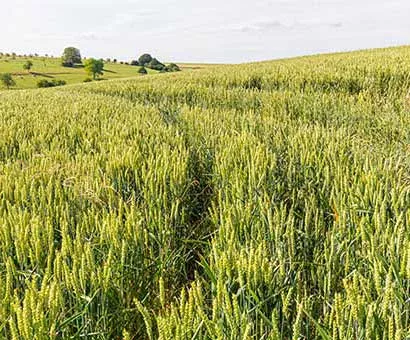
x=50, y=68
x=259, y=201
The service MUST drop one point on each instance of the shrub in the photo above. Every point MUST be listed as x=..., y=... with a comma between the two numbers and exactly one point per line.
x=173, y=68
x=87, y=80
x=43, y=83
x=142, y=70
x=135, y=63
x=53, y=83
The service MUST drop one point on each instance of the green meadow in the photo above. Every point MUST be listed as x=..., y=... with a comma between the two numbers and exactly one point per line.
x=51, y=69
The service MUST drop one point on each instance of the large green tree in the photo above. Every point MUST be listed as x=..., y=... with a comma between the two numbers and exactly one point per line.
x=94, y=67
x=71, y=56
x=144, y=59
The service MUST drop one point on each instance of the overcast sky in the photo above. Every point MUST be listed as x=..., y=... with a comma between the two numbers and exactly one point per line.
x=202, y=31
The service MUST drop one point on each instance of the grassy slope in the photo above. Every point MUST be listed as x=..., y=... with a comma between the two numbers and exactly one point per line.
x=50, y=68
x=232, y=203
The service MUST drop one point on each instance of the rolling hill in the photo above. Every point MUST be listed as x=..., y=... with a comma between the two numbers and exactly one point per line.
x=259, y=201
x=50, y=69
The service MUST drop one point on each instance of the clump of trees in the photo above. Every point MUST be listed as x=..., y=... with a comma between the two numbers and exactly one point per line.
x=71, y=56
x=47, y=83
x=146, y=60
x=155, y=64
x=94, y=67
x=7, y=80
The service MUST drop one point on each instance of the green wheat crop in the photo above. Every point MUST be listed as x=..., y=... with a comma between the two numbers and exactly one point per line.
x=258, y=201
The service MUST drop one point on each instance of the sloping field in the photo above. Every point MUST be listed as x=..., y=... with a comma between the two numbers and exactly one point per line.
x=51, y=69
x=260, y=201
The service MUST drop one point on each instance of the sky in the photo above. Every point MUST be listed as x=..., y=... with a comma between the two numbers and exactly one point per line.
x=214, y=31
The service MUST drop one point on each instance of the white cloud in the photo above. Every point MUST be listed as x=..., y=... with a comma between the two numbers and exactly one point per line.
x=276, y=25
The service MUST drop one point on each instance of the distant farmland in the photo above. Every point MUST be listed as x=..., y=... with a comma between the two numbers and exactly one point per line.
x=51, y=69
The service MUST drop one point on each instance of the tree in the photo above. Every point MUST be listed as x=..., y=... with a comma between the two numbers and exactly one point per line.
x=28, y=65
x=94, y=67
x=71, y=56
x=144, y=59
x=7, y=80
x=135, y=63
x=155, y=65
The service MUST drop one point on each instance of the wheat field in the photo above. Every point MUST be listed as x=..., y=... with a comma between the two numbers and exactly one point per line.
x=258, y=201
